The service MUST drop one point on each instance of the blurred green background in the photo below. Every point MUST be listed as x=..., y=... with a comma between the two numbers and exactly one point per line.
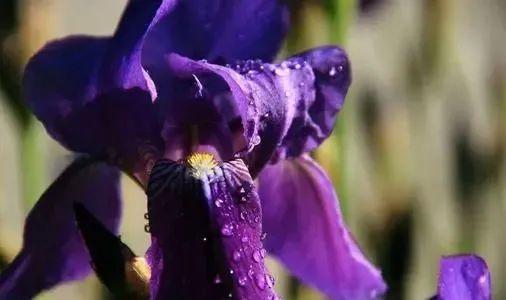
x=418, y=155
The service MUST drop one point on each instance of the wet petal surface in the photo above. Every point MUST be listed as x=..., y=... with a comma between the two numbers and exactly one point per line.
x=205, y=222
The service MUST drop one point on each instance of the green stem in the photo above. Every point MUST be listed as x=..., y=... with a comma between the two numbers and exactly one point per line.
x=32, y=164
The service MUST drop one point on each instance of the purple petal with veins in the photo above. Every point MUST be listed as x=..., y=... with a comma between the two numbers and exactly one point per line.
x=464, y=277
x=205, y=223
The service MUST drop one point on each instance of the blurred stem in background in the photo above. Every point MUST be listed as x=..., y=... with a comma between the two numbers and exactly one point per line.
x=341, y=15
x=19, y=40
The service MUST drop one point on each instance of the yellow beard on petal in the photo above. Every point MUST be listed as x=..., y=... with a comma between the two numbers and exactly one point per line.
x=201, y=163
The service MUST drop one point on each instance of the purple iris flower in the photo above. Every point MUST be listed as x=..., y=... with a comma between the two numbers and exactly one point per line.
x=463, y=277
x=184, y=98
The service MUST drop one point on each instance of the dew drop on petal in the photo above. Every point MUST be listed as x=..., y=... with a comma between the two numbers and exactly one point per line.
x=244, y=239
x=332, y=72
x=242, y=280
x=251, y=273
x=280, y=71
x=236, y=256
x=217, y=279
x=218, y=202
x=260, y=281
x=257, y=256
x=226, y=230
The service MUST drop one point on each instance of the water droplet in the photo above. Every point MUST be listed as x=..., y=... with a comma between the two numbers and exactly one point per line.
x=332, y=72
x=147, y=228
x=229, y=295
x=340, y=68
x=204, y=239
x=244, y=239
x=256, y=140
x=287, y=94
x=297, y=66
x=269, y=280
x=251, y=272
x=146, y=216
x=217, y=279
x=203, y=61
x=263, y=252
x=257, y=256
x=257, y=219
x=242, y=281
x=218, y=202
x=263, y=236
x=231, y=271
x=243, y=215
x=260, y=281
x=301, y=84
x=226, y=230
x=236, y=256
x=280, y=71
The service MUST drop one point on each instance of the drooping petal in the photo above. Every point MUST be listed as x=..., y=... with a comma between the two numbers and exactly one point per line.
x=464, y=277
x=253, y=103
x=53, y=251
x=205, y=222
x=315, y=117
x=306, y=231
x=61, y=88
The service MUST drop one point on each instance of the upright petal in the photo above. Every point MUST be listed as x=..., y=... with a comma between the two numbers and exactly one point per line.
x=464, y=277
x=315, y=117
x=306, y=231
x=53, y=251
x=123, y=60
x=253, y=102
x=206, y=232
x=221, y=31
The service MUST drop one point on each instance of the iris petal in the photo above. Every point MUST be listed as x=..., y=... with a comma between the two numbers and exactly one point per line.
x=206, y=233
x=261, y=98
x=306, y=231
x=53, y=251
x=221, y=31
x=315, y=117
x=464, y=277
x=61, y=88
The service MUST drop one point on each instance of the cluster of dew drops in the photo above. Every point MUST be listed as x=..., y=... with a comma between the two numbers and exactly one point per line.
x=262, y=280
